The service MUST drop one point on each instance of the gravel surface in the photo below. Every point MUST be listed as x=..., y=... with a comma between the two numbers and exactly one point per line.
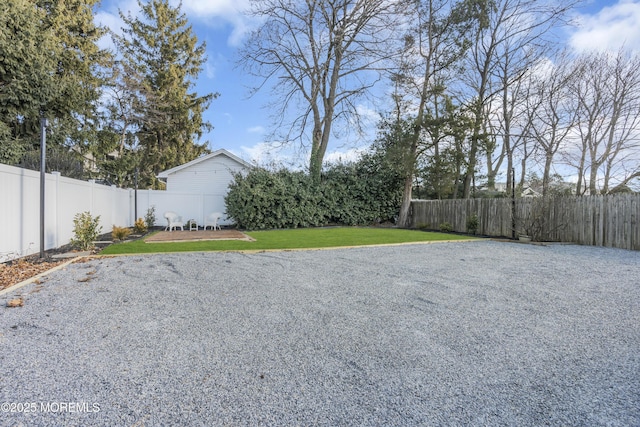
x=476, y=333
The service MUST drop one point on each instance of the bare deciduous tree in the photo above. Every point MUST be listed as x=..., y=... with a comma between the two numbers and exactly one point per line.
x=323, y=55
x=511, y=40
x=552, y=115
x=514, y=124
x=607, y=92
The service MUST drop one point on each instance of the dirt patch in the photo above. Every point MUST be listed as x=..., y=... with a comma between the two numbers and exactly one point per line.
x=194, y=236
x=24, y=268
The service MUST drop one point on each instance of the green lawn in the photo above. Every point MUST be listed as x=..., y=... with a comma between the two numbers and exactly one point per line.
x=289, y=239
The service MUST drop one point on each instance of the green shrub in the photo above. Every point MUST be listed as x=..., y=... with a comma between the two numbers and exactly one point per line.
x=150, y=217
x=282, y=199
x=472, y=224
x=119, y=233
x=360, y=193
x=140, y=226
x=446, y=227
x=357, y=196
x=86, y=230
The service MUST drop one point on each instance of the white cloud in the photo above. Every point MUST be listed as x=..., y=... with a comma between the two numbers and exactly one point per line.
x=258, y=153
x=266, y=154
x=107, y=20
x=368, y=115
x=609, y=29
x=229, y=11
x=109, y=17
x=232, y=11
x=216, y=7
x=350, y=155
x=275, y=155
x=256, y=129
x=210, y=70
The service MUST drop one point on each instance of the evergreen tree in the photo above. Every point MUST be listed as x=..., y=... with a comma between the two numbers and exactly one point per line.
x=48, y=67
x=24, y=66
x=162, y=58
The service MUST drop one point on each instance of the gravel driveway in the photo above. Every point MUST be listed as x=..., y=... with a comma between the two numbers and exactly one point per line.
x=476, y=333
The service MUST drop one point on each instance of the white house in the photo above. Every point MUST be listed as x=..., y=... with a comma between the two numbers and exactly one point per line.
x=197, y=188
x=209, y=174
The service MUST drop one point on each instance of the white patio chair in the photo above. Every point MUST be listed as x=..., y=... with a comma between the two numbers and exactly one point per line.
x=173, y=221
x=212, y=220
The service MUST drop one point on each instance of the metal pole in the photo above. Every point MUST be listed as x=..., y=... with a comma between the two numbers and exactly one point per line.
x=513, y=203
x=43, y=156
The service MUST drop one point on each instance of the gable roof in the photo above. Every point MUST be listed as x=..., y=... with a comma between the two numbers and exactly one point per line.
x=220, y=152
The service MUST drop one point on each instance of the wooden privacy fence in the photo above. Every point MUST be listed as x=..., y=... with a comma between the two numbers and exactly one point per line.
x=589, y=220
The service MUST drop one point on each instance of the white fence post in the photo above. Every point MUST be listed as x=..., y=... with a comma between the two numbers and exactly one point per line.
x=91, y=206
x=132, y=209
x=55, y=210
x=114, y=216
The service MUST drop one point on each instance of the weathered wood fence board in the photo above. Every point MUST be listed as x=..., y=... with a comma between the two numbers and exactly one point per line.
x=588, y=220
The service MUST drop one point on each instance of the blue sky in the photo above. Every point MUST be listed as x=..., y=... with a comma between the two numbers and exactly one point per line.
x=241, y=123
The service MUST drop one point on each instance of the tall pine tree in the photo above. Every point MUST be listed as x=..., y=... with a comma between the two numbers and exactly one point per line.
x=162, y=56
x=48, y=66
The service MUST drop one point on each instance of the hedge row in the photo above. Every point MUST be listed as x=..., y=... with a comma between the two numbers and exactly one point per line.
x=363, y=193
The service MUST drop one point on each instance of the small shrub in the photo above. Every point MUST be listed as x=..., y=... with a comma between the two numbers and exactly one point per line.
x=140, y=226
x=86, y=230
x=119, y=233
x=472, y=224
x=150, y=217
x=446, y=227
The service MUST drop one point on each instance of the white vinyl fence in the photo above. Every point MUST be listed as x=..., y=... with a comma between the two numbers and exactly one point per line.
x=66, y=197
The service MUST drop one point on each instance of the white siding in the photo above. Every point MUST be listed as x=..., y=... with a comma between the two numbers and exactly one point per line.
x=197, y=190
x=187, y=205
x=211, y=177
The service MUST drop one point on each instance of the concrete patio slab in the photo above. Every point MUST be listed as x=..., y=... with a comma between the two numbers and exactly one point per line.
x=194, y=236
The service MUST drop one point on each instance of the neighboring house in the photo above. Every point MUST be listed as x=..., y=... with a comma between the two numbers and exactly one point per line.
x=528, y=191
x=208, y=177
x=535, y=189
x=90, y=163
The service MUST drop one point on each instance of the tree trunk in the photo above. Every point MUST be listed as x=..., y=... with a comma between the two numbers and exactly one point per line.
x=315, y=160
x=523, y=173
x=403, y=218
x=409, y=168
x=471, y=167
x=593, y=178
x=579, y=185
x=510, y=172
x=547, y=174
